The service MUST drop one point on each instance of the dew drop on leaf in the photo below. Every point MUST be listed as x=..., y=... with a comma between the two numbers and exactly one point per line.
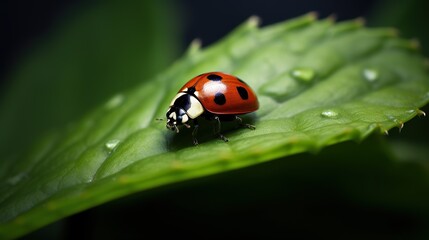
x=393, y=119
x=112, y=144
x=15, y=179
x=372, y=126
x=303, y=74
x=329, y=114
x=115, y=101
x=370, y=74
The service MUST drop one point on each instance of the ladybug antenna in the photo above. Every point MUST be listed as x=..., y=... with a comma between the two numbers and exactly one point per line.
x=176, y=128
x=187, y=125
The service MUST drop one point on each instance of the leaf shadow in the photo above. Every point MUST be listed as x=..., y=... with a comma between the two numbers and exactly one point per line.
x=206, y=133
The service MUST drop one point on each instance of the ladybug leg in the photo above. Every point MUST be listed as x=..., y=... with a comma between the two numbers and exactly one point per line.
x=194, y=133
x=217, y=129
x=241, y=124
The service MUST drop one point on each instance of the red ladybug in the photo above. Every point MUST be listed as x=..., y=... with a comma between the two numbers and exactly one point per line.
x=215, y=96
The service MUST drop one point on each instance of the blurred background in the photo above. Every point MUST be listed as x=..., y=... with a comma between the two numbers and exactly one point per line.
x=60, y=59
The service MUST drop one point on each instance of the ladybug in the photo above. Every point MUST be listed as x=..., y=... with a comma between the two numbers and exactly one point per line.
x=216, y=96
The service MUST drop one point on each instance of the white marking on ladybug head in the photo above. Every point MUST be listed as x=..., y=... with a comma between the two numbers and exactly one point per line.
x=185, y=118
x=172, y=115
x=196, y=108
x=184, y=106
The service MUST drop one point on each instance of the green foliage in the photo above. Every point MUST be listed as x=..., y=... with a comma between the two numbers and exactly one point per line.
x=405, y=16
x=318, y=83
x=93, y=52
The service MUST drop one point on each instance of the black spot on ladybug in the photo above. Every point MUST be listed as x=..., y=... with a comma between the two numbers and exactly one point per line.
x=214, y=77
x=243, y=93
x=220, y=99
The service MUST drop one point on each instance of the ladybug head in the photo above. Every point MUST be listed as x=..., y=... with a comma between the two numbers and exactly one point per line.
x=176, y=116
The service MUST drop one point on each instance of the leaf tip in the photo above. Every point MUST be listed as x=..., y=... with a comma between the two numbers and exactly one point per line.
x=400, y=126
x=194, y=46
x=253, y=21
x=313, y=16
x=421, y=113
x=332, y=18
x=360, y=21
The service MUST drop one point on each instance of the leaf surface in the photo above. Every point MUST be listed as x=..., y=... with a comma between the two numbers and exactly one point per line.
x=319, y=83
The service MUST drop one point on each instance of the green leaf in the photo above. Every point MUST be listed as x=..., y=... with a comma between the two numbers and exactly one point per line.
x=318, y=83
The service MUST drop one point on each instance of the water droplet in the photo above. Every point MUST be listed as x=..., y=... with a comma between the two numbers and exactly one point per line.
x=370, y=74
x=115, y=101
x=399, y=124
x=329, y=114
x=392, y=118
x=16, y=179
x=112, y=144
x=303, y=74
x=373, y=126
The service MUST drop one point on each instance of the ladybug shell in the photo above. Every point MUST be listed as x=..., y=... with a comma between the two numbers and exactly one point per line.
x=222, y=94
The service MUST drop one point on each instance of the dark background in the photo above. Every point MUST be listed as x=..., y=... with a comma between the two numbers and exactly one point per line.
x=24, y=23
x=337, y=197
